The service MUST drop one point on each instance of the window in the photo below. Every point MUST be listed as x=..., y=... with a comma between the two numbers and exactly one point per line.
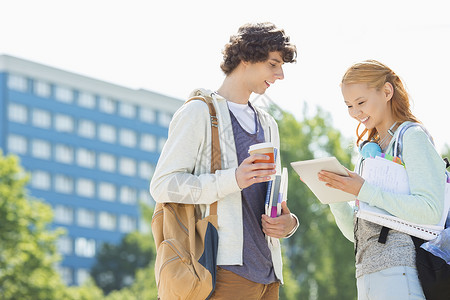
x=86, y=100
x=17, y=83
x=147, y=115
x=85, y=188
x=85, y=218
x=65, y=245
x=148, y=142
x=63, y=214
x=128, y=195
x=107, y=221
x=82, y=276
x=107, y=162
x=63, y=184
x=107, y=133
x=127, y=224
x=164, y=119
x=17, y=113
x=41, y=118
x=107, y=105
x=85, y=247
x=86, y=158
x=40, y=180
x=63, y=94
x=161, y=143
x=42, y=89
x=64, y=123
x=41, y=149
x=127, y=166
x=64, y=154
x=86, y=129
x=17, y=144
x=127, y=138
x=146, y=170
x=107, y=191
x=127, y=110
x=66, y=275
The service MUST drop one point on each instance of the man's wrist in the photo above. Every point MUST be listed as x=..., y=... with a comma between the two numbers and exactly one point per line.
x=296, y=223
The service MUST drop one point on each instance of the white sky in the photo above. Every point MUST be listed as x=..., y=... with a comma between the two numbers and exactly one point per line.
x=172, y=47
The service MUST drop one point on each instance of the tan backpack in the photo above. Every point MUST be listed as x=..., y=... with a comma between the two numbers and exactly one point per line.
x=186, y=256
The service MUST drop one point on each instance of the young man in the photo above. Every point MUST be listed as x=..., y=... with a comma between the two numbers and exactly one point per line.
x=247, y=267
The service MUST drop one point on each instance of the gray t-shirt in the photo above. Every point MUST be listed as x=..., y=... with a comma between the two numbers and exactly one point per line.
x=257, y=262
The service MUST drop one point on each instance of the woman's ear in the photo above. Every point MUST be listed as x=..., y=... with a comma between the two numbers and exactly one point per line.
x=388, y=90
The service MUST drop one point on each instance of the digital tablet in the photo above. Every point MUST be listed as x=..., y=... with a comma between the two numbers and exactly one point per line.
x=308, y=171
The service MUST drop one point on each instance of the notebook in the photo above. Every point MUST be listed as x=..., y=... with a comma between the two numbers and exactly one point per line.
x=392, y=177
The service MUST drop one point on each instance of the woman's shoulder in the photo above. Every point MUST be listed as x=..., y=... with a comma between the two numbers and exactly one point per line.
x=415, y=132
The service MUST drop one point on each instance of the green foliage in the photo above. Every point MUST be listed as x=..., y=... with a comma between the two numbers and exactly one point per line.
x=321, y=259
x=446, y=151
x=144, y=287
x=116, y=265
x=27, y=246
x=87, y=291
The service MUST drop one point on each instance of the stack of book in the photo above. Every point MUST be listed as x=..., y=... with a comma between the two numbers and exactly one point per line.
x=276, y=192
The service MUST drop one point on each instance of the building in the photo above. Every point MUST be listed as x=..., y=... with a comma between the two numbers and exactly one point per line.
x=90, y=147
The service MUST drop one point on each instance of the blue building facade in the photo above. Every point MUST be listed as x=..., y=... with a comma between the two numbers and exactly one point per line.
x=90, y=147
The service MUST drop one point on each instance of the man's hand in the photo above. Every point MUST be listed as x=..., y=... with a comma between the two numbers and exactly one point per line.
x=281, y=226
x=250, y=172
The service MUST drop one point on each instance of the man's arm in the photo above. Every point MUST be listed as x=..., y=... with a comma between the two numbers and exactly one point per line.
x=173, y=180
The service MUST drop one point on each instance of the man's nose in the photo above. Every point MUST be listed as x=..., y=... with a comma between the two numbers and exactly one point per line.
x=280, y=74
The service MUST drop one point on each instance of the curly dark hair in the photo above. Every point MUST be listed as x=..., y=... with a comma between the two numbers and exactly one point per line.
x=253, y=42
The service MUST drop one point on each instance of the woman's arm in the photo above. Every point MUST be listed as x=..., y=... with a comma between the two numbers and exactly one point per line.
x=426, y=174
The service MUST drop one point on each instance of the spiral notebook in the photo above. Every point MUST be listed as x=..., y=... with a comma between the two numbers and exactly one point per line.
x=392, y=177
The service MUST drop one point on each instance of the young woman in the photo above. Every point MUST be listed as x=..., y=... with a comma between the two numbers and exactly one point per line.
x=376, y=98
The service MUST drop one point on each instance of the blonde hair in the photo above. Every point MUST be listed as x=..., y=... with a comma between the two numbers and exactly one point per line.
x=375, y=75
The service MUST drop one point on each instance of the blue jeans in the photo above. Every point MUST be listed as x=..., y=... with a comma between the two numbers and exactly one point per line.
x=397, y=283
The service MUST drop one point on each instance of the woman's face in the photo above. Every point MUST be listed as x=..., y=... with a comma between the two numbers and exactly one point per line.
x=368, y=105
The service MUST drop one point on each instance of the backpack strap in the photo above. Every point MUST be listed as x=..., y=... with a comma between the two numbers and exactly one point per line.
x=216, y=161
x=398, y=144
x=397, y=152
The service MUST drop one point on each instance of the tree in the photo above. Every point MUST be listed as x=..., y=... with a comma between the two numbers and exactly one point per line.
x=27, y=246
x=446, y=151
x=143, y=288
x=116, y=265
x=321, y=258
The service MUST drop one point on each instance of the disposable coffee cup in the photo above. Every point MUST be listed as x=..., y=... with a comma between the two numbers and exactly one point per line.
x=262, y=148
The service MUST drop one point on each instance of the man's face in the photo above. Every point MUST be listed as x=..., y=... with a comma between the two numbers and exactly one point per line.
x=259, y=76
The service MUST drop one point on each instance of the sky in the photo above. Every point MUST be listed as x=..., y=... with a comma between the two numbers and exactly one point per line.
x=172, y=47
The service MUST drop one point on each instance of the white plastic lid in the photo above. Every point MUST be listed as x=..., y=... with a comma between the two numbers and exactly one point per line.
x=260, y=146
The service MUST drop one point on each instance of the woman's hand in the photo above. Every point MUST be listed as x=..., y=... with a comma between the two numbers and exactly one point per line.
x=351, y=184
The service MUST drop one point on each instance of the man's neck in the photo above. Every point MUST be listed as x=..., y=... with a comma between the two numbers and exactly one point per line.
x=234, y=90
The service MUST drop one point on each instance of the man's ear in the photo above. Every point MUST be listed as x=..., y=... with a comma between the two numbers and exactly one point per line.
x=388, y=91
